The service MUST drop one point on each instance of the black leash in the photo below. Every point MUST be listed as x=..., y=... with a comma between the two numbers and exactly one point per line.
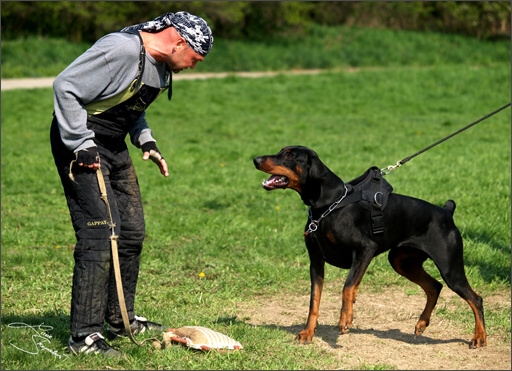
x=390, y=168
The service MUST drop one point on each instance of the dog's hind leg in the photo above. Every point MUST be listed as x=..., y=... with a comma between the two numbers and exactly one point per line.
x=449, y=259
x=454, y=276
x=475, y=301
x=408, y=262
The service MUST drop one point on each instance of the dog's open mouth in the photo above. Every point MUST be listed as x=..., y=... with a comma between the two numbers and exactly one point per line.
x=275, y=182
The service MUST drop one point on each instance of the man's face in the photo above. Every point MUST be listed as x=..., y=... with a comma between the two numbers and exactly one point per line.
x=183, y=57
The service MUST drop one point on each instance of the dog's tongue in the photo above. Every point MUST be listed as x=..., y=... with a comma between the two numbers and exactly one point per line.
x=274, y=182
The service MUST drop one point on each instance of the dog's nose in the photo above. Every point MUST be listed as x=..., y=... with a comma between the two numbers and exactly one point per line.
x=258, y=160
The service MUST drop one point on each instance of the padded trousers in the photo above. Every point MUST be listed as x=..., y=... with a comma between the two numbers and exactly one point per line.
x=94, y=294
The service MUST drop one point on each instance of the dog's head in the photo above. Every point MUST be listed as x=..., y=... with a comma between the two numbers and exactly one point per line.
x=292, y=168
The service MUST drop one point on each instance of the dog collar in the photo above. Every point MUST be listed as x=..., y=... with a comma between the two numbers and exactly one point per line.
x=313, y=225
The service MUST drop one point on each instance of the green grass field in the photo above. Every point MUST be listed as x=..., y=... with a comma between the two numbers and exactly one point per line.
x=320, y=47
x=215, y=238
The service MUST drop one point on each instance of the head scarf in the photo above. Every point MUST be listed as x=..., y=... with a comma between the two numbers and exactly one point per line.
x=192, y=28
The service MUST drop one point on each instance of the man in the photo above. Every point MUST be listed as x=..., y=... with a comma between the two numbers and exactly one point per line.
x=99, y=99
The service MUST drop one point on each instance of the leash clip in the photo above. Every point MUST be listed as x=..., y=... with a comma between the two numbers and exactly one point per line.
x=390, y=168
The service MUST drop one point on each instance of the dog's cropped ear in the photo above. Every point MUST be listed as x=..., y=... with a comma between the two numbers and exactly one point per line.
x=316, y=167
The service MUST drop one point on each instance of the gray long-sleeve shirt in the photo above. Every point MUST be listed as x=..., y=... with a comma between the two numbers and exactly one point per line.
x=102, y=72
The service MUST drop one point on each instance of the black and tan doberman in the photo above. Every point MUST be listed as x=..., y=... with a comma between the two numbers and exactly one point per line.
x=342, y=235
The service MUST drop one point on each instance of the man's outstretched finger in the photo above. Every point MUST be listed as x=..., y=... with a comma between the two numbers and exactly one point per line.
x=163, y=167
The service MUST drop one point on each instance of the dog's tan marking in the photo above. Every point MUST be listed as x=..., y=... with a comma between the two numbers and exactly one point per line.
x=330, y=237
x=293, y=180
x=347, y=309
x=306, y=335
x=480, y=337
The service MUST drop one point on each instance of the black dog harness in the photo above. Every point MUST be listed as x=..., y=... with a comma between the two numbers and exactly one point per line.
x=370, y=187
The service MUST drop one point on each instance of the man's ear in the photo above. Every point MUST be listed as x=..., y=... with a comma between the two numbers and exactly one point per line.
x=180, y=43
x=174, y=38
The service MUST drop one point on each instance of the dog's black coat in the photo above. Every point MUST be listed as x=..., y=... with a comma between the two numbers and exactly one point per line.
x=414, y=230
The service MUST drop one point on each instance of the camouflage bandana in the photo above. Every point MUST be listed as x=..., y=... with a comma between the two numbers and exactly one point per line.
x=192, y=28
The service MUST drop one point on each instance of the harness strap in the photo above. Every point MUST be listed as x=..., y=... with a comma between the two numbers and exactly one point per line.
x=376, y=206
x=142, y=61
x=349, y=197
x=369, y=187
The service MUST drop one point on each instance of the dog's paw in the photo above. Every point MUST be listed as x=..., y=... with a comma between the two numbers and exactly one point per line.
x=345, y=329
x=305, y=337
x=421, y=326
x=477, y=342
x=345, y=325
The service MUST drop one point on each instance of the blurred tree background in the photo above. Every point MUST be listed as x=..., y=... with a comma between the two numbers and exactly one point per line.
x=254, y=20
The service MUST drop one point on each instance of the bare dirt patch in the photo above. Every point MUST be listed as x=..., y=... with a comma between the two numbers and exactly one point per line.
x=383, y=332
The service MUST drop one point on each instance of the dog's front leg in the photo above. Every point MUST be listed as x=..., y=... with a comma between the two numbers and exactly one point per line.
x=360, y=263
x=316, y=272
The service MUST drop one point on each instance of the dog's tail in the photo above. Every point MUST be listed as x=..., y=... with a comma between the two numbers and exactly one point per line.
x=450, y=206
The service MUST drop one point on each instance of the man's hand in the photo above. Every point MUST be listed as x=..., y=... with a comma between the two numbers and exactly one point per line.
x=88, y=157
x=151, y=151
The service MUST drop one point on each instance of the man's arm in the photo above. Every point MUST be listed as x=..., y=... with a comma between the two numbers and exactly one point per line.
x=101, y=72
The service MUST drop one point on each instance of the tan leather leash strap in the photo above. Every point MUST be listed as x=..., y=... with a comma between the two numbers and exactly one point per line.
x=115, y=259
